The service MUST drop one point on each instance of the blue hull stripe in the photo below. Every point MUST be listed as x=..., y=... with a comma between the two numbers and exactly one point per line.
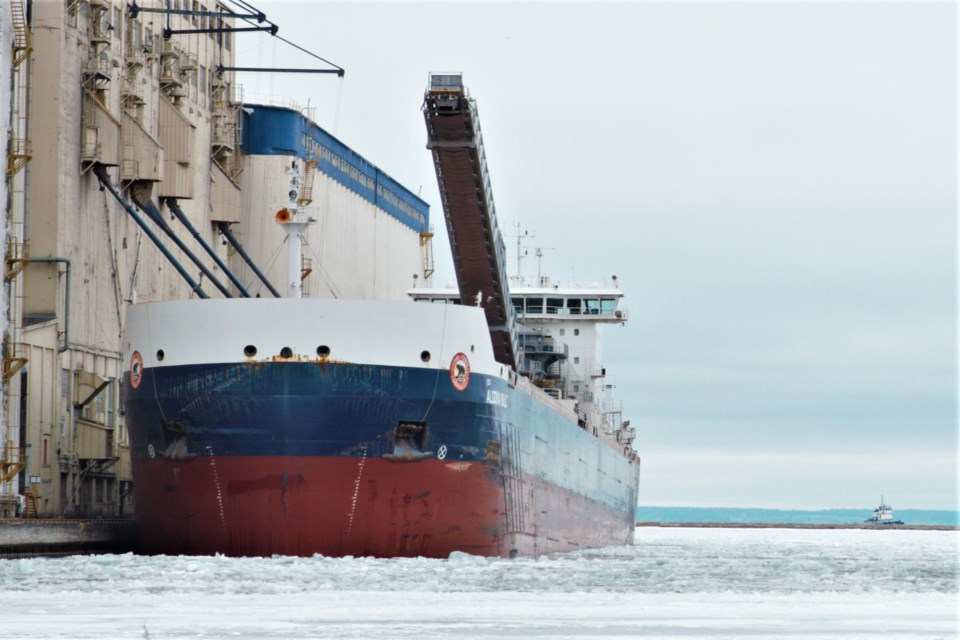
x=307, y=409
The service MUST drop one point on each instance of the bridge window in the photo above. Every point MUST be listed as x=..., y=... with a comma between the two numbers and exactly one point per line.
x=555, y=305
x=607, y=305
x=517, y=305
x=592, y=306
x=573, y=306
x=534, y=305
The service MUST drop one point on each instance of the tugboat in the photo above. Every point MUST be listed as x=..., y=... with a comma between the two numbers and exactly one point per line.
x=882, y=515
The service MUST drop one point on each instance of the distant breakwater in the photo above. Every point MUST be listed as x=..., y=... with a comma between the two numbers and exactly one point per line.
x=793, y=525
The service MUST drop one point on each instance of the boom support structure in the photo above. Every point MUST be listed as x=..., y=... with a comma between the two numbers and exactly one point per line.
x=479, y=254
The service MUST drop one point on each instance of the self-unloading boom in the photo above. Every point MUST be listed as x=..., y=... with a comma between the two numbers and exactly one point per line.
x=479, y=255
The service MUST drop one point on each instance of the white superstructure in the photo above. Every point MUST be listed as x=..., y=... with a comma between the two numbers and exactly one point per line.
x=562, y=345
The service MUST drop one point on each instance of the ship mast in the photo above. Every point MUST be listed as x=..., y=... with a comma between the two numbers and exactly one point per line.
x=294, y=245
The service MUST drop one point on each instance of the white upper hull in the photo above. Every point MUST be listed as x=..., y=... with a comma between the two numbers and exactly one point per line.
x=379, y=332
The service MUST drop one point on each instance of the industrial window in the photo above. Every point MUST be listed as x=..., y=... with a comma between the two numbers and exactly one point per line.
x=71, y=15
x=576, y=332
x=100, y=409
x=576, y=360
x=64, y=391
x=193, y=18
x=86, y=492
x=117, y=22
x=563, y=331
x=111, y=405
x=203, y=85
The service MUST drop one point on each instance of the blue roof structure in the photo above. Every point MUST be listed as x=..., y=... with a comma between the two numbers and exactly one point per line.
x=269, y=130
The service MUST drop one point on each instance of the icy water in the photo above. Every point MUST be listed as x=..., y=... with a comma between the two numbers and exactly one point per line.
x=673, y=583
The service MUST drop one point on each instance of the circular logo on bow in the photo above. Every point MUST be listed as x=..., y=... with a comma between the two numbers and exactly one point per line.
x=136, y=369
x=460, y=372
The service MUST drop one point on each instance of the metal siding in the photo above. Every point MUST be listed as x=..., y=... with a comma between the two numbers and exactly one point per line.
x=177, y=135
x=143, y=156
x=100, y=132
x=224, y=196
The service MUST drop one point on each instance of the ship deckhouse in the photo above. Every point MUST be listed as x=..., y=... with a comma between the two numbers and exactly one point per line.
x=561, y=346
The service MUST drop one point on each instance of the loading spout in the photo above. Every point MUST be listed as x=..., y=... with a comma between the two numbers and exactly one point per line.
x=225, y=230
x=151, y=210
x=178, y=212
x=101, y=172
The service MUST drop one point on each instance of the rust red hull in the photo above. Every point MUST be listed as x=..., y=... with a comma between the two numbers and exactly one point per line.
x=337, y=506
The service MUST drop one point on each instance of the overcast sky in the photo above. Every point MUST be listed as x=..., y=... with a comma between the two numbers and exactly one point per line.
x=774, y=184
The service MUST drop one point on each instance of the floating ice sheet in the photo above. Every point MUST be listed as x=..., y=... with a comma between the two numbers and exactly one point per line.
x=685, y=583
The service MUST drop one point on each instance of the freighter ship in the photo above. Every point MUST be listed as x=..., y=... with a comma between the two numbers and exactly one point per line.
x=449, y=422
